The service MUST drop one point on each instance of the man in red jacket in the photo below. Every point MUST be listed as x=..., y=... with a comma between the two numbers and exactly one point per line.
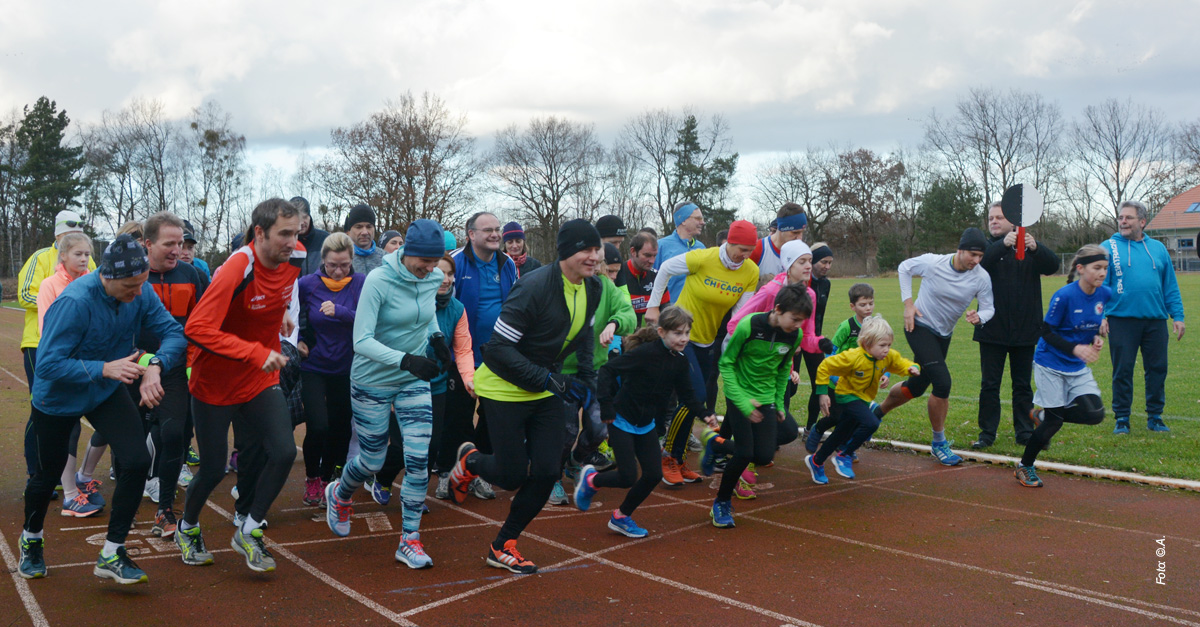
x=235, y=377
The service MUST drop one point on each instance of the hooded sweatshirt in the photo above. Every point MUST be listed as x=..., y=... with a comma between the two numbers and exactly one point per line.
x=330, y=338
x=1142, y=278
x=614, y=306
x=396, y=315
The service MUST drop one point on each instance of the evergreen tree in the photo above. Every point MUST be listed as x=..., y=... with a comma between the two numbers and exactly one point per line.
x=949, y=207
x=49, y=175
x=702, y=175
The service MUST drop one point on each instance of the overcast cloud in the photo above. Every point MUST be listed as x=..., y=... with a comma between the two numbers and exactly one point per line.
x=785, y=75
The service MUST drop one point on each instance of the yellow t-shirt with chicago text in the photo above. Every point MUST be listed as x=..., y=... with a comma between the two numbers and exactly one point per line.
x=711, y=290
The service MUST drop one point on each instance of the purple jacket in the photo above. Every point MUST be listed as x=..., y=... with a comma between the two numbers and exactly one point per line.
x=330, y=340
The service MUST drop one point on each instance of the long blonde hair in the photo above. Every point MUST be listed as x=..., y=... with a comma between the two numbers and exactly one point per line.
x=1089, y=250
x=71, y=240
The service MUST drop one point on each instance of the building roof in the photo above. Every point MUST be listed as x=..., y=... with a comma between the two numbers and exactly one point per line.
x=1183, y=212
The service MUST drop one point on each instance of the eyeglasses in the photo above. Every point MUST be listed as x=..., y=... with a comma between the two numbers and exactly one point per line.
x=495, y=231
x=337, y=266
x=74, y=223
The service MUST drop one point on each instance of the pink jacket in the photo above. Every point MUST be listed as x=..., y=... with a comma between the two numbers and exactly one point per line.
x=764, y=300
x=49, y=290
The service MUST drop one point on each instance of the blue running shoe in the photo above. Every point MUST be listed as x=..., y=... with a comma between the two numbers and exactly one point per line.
x=337, y=511
x=381, y=493
x=707, y=460
x=1122, y=427
x=1028, y=477
x=722, y=514
x=843, y=465
x=79, y=507
x=119, y=568
x=583, y=491
x=92, y=490
x=32, y=564
x=558, y=495
x=813, y=441
x=1155, y=423
x=817, y=472
x=941, y=450
x=626, y=527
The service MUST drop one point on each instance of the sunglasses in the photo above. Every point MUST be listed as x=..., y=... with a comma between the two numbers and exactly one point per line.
x=74, y=223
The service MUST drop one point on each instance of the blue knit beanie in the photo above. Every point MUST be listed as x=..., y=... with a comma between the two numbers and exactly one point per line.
x=451, y=241
x=424, y=239
x=124, y=258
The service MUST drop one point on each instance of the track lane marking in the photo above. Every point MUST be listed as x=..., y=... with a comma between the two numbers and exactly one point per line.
x=27, y=599
x=1087, y=599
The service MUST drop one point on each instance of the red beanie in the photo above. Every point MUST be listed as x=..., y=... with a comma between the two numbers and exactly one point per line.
x=742, y=233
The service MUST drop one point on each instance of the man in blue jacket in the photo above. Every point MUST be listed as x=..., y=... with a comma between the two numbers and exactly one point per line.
x=84, y=362
x=689, y=223
x=1142, y=277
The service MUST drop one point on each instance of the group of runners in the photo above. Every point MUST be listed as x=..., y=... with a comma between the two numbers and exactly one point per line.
x=481, y=366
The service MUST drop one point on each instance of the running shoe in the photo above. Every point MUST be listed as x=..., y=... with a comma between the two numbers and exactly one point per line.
x=817, y=472
x=411, y=552
x=381, y=493
x=151, y=491
x=119, y=568
x=240, y=519
x=234, y=492
x=607, y=451
x=164, y=524
x=1028, y=477
x=571, y=471
x=313, y=491
x=941, y=450
x=749, y=475
x=843, y=465
x=813, y=441
x=32, y=564
x=626, y=527
x=709, y=438
x=1155, y=423
x=980, y=445
x=689, y=475
x=601, y=461
x=1037, y=416
x=694, y=444
x=79, y=507
x=92, y=490
x=558, y=496
x=722, y=514
x=443, y=487
x=232, y=465
x=508, y=558
x=254, y=548
x=337, y=512
x=112, y=473
x=460, y=477
x=583, y=491
x=193, y=458
x=1122, y=427
x=744, y=491
x=191, y=547
x=481, y=489
x=670, y=471
x=722, y=461
x=185, y=478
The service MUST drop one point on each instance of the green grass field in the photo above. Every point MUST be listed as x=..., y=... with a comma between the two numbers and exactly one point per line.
x=1174, y=454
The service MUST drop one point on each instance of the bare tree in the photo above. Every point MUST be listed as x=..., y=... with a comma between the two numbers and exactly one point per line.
x=805, y=179
x=411, y=160
x=867, y=192
x=629, y=190
x=544, y=168
x=1121, y=148
x=216, y=170
x=650, y=138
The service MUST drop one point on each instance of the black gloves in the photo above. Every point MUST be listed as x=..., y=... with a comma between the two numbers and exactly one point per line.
x=437, y=342
x=569, y=388
x=423, y=368
x=825, y=345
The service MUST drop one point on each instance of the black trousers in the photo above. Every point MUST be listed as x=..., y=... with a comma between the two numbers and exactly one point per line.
x=752, y=442
x=327, y=413
x=632, y=450
x=118, y=419
x=527, y=439
x=29, y=357
x=460, y=424
x=262, y=427
x=1020, y=367
x=168, y=424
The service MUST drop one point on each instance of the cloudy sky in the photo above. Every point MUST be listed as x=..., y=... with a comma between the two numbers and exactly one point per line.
x=785, y=74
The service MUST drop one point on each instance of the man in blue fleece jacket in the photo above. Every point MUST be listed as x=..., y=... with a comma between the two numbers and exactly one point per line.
x=1142, y=277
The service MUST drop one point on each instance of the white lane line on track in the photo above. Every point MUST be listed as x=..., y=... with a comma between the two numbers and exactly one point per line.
x=20, y=380
x=31, y=605
x=1118, y=606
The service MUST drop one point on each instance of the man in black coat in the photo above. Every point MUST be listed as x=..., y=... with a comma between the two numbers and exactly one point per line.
x=1014, y=331
x=312, y=237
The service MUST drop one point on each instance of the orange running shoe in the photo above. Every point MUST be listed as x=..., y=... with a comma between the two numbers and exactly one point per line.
x=509, y=559
x=689, y=475
x=670, y=471
x=460, y=477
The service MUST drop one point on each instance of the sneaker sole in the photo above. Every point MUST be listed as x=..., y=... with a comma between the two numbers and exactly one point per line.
x=848, y=474
x=627, y=534
x=162, y=533
x=104, y=573
x=748, y=497
x=812, y=471
x=241, y=551
x=32, y=576
x=72, y=514
x=404, y=560
x=512, y=569
x=579, y=488
x=719, y=525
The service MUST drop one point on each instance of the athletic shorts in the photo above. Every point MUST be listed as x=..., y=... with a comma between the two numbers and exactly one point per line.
x=1058, y=389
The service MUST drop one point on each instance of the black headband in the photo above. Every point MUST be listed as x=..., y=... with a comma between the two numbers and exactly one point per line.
x=820, y=253
x=1083, y=261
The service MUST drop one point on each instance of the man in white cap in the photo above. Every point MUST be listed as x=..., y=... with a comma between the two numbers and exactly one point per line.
x=40, y=265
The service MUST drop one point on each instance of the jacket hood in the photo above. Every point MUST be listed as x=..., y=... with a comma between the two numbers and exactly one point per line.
x=392, y=260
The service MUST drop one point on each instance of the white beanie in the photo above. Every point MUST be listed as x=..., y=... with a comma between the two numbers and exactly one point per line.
x=60, y=222
x=792, y=251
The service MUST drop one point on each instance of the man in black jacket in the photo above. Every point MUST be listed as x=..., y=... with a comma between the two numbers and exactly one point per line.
x=312, y=237
x=548, y=315
x=1013, y=332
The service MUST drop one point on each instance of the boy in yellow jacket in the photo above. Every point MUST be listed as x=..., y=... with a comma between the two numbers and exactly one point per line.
x=858, y=371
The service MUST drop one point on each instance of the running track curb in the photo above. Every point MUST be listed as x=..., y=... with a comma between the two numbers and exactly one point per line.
x=1099, y=473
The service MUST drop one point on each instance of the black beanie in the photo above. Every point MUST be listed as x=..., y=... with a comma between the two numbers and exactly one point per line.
x=359, y=213
x=973, y=239
x=123, y=258
x=576, y=235
x=610, y=226
x=821, y=252
x=611, y=254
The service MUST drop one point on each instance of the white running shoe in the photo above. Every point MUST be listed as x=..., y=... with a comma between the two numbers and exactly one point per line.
x=151, y=490
x=185, y=477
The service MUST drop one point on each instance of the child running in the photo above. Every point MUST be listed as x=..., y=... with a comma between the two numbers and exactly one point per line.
x=755, y=367
x=858, y=372
x=651, y=368
x=1070, y=341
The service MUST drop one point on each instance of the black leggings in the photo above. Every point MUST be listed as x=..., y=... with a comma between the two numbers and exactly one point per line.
x=701, y=362
x=929, y=350
x=632, y=450
x=393, y=460
x=853, y=416
x=527, y=439
x=1085, y=410
x=752, y=442
x=460, y=425
x=167, y=432
x=327, y=413
x=262, y=427
x=118, y=419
